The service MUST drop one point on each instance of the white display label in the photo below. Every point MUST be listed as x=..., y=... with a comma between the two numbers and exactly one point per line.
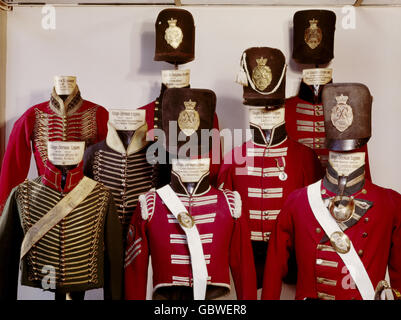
x=65, y=153
x=317, y=76
x=175, y=78
x=346, y=163
x=191, y=170
x=266, y=119
x=128, y=120
x=64, y=85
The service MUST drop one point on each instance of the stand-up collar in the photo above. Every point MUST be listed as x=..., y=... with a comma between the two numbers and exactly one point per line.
x=274, y=136
x=352, y=183
x=307, y=93
x=138, y=140
x=53, y=177
x=67, y=107
x=202, y=186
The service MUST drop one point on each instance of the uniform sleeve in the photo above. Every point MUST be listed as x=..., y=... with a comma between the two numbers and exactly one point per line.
x=11, y=236
x=279, y=249
x=102, y=117
x=88, y=162
x=394, y=265
x=136, y=258
x=17, y=158
x=114, y=255
x=241, y=261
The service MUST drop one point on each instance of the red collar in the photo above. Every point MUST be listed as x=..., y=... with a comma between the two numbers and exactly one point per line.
x=52, y=177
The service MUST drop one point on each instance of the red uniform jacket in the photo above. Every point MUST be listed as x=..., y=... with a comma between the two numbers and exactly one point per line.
x=154, y=230
x=81, y=121
x=375, y=233
x=262, y=192
x=304, y=120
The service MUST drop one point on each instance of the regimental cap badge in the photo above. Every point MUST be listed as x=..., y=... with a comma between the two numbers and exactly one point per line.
x=341, y=114
x=173, y=34
x=189, y=119
x=261, y=74
x=313, y=34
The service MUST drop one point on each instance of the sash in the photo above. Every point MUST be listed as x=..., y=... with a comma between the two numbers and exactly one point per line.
x=56, y=214
x=187, y=223
x=340, y=242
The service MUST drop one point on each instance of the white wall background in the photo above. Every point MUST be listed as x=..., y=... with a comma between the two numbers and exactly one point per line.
x=110, y=50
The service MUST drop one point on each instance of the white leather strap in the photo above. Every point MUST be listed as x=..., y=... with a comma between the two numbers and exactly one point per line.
x=56, y=214
x=198, y=263
x=245, y=68
x=351, y=258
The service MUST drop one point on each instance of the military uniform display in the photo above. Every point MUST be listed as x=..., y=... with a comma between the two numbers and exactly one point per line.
x=279, y=166
x=374, y=229
x=156, y=232
x=72, y=119
x=345, y=230
x=81, y=252
x=125, y=171
x=213, y=215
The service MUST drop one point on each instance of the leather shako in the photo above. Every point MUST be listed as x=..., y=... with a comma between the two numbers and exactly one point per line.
x=313, y=36
x=264, y=69
x=347, y=111
x=175, y=36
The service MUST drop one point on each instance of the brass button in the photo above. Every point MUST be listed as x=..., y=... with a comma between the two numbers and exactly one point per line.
x=156, y=102
x=317, y=146
x=319, y=280
x=317, y=140
x=364, y=191
x=360, y=253
x=366, y=219
x=365, y=234
x=323, y=191
x=318, y=230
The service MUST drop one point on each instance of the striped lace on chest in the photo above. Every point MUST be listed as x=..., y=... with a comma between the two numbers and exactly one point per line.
x=126, y=176
x=78, y=126
x=71, y=247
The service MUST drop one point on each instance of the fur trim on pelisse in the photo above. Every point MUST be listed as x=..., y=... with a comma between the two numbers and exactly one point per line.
x=237, y=205
x=144, y=207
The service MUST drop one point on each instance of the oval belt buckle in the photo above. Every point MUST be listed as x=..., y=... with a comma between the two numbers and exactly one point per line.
x=340, y=242
x=186, y=220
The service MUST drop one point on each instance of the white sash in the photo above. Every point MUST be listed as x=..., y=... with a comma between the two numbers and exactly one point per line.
x=198, y=263
x=351, y=258
x=57, y=213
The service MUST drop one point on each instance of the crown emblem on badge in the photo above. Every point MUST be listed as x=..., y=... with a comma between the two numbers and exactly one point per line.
x=188, y=119
x=341, y=114
x=173, y=34
x=190, y=105
x=342, y=99
x=261, y=74
x=313, y=34
x=313, y=23
x=262, y=61
x=172, y=22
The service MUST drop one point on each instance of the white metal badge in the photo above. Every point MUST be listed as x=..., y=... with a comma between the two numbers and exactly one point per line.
x=261, y=74
x=341, y=114
x=189, y=119
x=313, y=34
x=173, y=34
